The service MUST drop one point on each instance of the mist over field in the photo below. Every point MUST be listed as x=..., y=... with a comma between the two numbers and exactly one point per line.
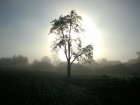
x=44, y=83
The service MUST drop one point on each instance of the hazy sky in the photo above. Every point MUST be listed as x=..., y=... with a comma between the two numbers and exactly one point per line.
x=25, y=24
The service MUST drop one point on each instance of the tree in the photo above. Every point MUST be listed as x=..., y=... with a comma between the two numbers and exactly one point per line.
x=16, y=61
x=35, y=62
x=138, y=52
x=46, y=59
x=55, y=59
x=19, y=61
x=68, y=31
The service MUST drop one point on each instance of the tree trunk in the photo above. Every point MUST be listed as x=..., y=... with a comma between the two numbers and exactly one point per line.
x=69, y=69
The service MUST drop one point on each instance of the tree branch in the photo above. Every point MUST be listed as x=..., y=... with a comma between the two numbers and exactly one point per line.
x=69, y=40
x=64, y=45
x=77, y=56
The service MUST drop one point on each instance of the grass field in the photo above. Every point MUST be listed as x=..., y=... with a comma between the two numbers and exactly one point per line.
x=27, y=87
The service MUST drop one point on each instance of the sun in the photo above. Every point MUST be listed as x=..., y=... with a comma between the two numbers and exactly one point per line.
x=91, y=36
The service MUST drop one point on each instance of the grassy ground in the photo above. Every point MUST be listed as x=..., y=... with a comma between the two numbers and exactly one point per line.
x=24, y=87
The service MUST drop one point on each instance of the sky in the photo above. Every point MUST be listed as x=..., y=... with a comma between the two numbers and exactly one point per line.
x=114, y=26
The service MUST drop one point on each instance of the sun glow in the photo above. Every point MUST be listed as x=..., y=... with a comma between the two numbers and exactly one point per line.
x=90, y=36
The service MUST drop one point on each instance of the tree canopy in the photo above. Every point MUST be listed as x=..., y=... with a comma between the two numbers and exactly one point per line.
x=16, y=61
x=68, y=30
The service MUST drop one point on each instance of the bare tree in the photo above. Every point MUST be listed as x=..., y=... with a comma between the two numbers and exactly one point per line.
x=68, y=30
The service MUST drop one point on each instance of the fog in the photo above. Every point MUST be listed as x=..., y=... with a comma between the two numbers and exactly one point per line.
x=47, y=64
x=42, y=64
x=24, y=27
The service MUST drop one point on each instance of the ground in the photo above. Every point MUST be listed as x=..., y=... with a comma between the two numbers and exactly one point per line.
x=27, y=87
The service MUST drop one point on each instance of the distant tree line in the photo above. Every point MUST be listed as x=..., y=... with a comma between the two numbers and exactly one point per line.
x=119, y=69
x=14, y=62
